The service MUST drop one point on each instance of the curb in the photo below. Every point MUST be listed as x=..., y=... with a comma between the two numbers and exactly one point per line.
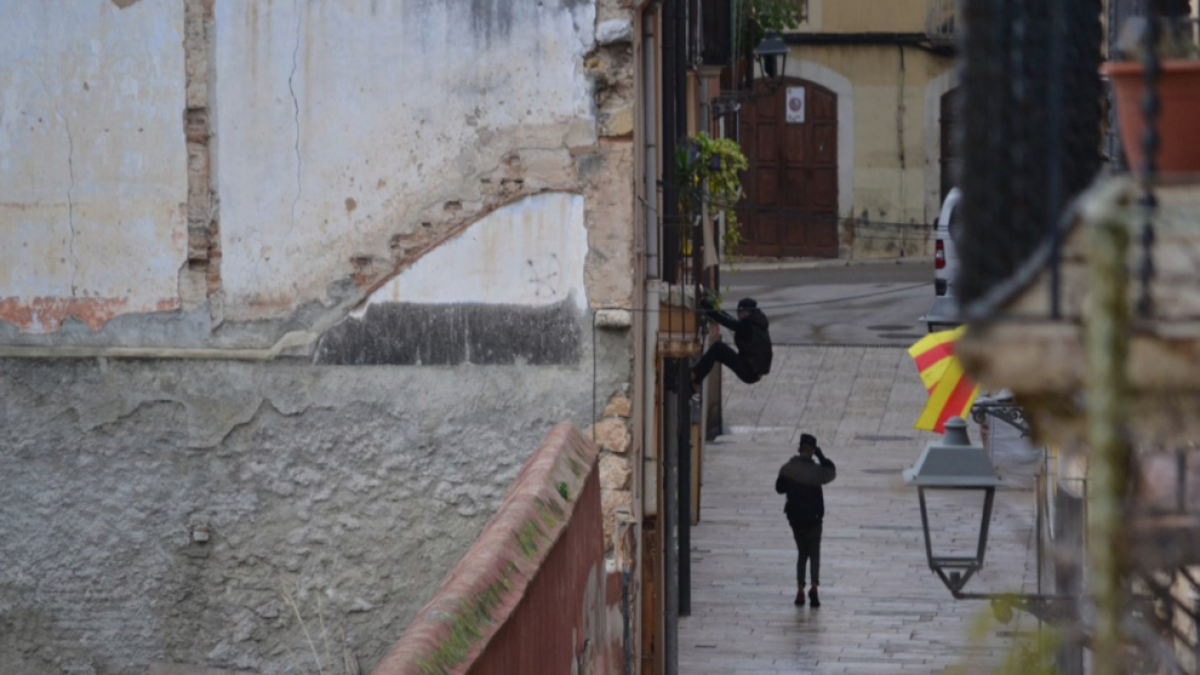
x=802, y=264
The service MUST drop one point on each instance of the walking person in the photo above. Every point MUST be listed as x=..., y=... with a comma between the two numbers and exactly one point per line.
x=753, y=357
x=801, y=480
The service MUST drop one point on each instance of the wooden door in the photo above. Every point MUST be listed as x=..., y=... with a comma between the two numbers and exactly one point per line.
x=790, y=209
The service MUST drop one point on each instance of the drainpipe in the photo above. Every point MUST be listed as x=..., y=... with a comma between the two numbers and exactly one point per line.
x=650, y=148
x=670, y=519
x=670, y=200
x=684, y=461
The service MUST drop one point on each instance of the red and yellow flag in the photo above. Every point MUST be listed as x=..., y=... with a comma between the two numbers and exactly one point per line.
x=951, y=392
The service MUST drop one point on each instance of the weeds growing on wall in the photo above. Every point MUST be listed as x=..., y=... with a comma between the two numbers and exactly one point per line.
x=330, y=662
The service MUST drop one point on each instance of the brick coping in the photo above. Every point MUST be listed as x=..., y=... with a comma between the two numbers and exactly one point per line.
x=484, y=587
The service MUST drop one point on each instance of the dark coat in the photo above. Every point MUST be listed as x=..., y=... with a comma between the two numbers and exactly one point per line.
x=751, y=335
x=801, y=480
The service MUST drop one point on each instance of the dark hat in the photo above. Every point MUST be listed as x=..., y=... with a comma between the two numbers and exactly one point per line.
x=808, y=440
x=747, y=303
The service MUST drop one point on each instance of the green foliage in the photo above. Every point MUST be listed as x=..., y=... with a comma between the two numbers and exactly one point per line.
x=1032, y=649
x=754, y=18
x=710, y=168
x=776, y=15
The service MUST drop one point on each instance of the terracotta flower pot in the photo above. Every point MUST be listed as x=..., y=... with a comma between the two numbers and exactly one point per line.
x=1179, y=94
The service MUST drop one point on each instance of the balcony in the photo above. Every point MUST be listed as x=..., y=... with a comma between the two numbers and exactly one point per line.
x=941, y=19
x=1018, y=342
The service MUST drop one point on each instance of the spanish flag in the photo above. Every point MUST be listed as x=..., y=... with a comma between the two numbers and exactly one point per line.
x=951, y=392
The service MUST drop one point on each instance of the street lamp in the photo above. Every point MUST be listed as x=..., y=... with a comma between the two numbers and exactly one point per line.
x=771, y=55
x=955, y=464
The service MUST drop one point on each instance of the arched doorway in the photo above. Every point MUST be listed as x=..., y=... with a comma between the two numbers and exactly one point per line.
x=791, y=204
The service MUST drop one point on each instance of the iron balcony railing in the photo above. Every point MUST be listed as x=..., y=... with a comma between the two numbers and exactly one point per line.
x=1033, y=139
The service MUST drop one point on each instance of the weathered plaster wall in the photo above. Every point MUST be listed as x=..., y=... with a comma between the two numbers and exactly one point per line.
x=515, y=294
x=292, y=156
x=92, y=165
x=342, y=124
x=531, y=252
x=354, y=488
x=862, y=16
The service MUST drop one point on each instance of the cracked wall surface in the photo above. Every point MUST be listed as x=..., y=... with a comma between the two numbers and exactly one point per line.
x=330, y=146
x=353, y=487
x=92, y=169
x=296, y=155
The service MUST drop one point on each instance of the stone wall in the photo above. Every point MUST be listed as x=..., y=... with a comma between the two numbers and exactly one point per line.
x=532, y=594
x=326, y=273
x=350, y=490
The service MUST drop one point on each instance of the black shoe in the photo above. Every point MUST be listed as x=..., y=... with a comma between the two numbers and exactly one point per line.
x=813, y=598
x=799, y=601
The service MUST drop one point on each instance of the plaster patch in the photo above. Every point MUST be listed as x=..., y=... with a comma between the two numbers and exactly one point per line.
x=530, y=253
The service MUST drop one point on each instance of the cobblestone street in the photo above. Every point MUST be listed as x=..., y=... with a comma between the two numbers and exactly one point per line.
x=883, y=610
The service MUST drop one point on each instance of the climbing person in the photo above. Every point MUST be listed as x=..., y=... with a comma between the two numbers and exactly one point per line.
x=752, y=359
x=801, y=480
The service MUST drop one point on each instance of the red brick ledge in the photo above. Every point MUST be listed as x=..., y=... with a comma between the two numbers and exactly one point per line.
x=484, y=588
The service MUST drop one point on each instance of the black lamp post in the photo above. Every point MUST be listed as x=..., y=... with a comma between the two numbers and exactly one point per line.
x=955, y=464
x=771, y=55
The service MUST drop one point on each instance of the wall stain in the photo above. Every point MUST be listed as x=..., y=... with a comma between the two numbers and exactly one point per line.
x=452, y=334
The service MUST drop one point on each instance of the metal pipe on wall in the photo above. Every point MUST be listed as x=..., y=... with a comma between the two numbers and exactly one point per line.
x=670, y=521
x=650, y=139
x=685, y=490
x=669, y=253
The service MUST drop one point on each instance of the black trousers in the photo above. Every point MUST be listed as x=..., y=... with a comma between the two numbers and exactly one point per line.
x=723, y=353
x=808, y=544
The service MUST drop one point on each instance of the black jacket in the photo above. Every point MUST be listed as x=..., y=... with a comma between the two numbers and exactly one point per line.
x=751, y=335
x=801, y=480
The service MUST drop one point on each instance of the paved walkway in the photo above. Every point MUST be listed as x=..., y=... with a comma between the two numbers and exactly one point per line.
x=883, y=610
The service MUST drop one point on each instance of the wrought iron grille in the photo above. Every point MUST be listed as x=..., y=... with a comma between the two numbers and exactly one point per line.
x=1031, y=128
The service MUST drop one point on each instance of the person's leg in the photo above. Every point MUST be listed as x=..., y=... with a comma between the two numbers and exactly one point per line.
x=728, y=356
x=801, y=563
x=813, y=545
x=802, y=555
x=814, y=553
x=706, y=363
x=741, y=367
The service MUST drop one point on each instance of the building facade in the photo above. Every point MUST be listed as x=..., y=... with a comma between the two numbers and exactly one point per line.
x=861, y=164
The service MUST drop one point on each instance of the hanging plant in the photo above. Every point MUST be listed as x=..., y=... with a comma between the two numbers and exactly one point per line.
x=710, y=169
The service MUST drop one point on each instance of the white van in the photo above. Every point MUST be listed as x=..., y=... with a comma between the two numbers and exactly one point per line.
x=944, y=312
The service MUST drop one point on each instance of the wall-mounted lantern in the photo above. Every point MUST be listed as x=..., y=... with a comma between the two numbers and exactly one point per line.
x=771, y=55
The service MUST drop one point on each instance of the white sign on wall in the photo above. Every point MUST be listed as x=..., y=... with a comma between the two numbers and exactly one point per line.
x=795, y=102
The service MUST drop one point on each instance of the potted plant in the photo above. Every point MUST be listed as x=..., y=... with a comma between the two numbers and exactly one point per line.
x=1178, y=92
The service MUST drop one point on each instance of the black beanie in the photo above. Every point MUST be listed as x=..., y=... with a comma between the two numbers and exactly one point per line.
x=747, y=303
x=808, y=439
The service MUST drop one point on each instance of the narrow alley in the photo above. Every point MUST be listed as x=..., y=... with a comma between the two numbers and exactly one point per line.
x=883, y=610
